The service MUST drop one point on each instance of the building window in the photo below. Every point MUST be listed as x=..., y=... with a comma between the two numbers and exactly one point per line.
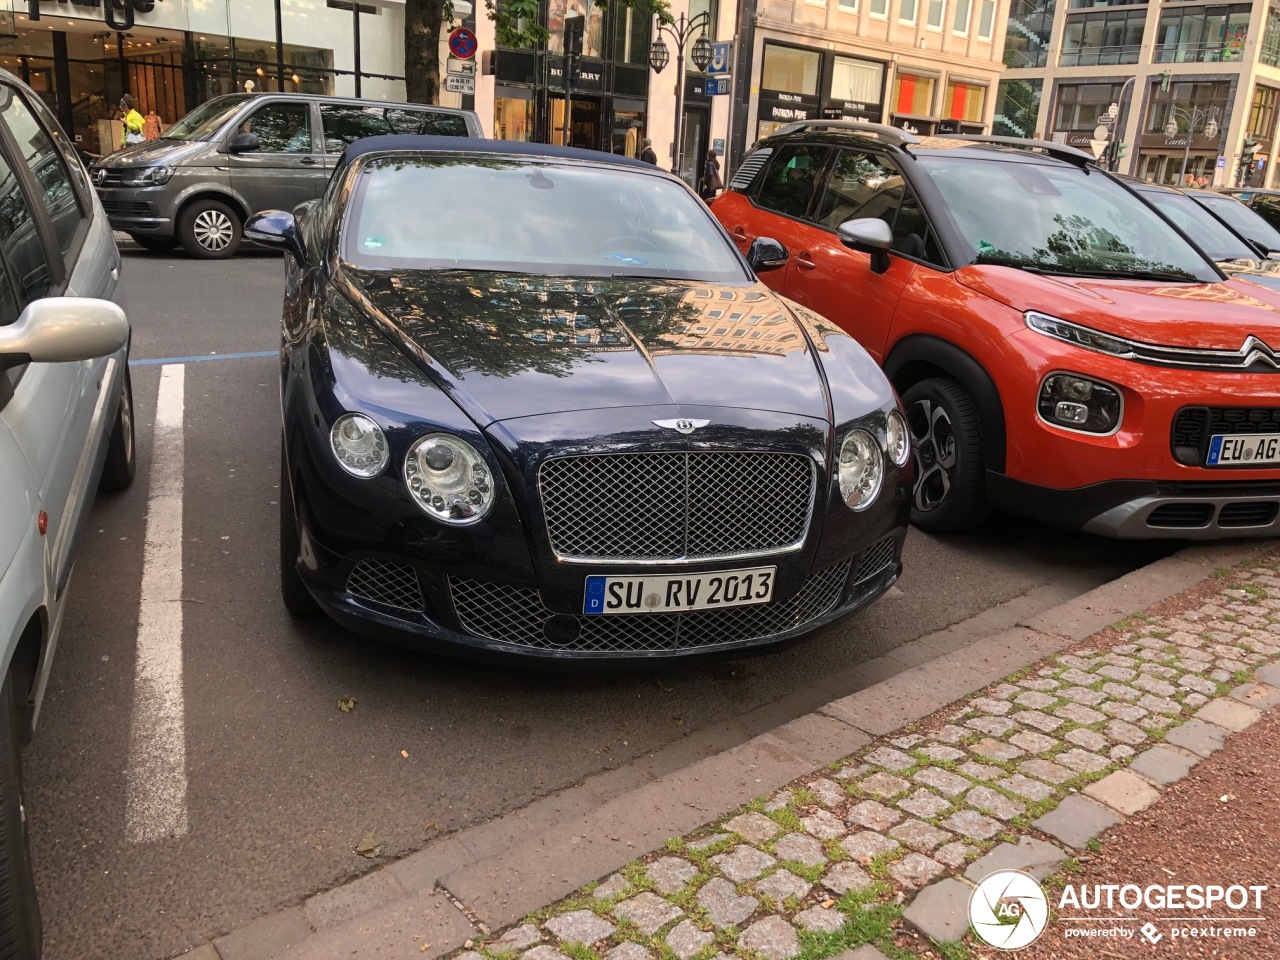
x=1026, y=42
x=880, y=9
x=1262, y=113
x=965, y=101
x=937, y=9
x=986, y=19
x=861, y=81
x=1017, y=107
x=1203, y=34
x=906, y=11
x=1081, y=105
x=1186, y=96
x=849, y=6
x=961, y=22
x=1270, y=52
x=790, y=69
x=1104, y=37
x=913, y=94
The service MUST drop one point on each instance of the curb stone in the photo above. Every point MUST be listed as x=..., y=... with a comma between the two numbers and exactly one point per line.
x=488, y=890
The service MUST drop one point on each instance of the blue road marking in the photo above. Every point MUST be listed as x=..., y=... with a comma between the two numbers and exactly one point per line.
x=212, y=356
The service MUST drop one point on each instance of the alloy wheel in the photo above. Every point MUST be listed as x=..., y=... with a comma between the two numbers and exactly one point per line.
x=213, y=230
x=933, y=447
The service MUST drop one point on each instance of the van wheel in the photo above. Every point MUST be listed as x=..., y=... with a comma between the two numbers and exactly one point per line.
x=153, y=243
x=20, y=929
x=122, y=459
x=297, y=598
x=209, y=229
x=946, y=444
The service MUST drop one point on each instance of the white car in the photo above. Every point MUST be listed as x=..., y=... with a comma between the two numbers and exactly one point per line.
x=66, y=430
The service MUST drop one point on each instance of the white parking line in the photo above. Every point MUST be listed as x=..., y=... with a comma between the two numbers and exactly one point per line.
x=157, y=778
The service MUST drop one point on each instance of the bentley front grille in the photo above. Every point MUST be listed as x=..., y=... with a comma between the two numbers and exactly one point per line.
x=660, y=507
x=516, y=615
x=390, y=584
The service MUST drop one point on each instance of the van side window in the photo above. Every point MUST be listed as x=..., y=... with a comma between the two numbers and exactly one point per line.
x=47, y=165
x=790, y=180
x=21, y=251
x=345, y=124
x=281, y=128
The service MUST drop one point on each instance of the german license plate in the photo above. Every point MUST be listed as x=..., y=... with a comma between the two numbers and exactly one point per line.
x=1260, y=449
x=670, y=593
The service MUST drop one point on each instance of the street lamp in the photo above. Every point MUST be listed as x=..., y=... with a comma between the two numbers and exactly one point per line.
x=1206, y=119
x=680, y=33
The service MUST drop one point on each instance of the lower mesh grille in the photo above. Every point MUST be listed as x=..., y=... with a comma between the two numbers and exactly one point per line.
x=1181, y=515
x=516, y=615
x=1256, y=514
x=876, y=560
x=390, y=584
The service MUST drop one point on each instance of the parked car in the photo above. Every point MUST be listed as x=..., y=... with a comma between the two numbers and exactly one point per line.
x=1264, y=202
x=564, y=420
x=1235, y=254
x=1062, y=352
x=66, y=429
x=240, y=153
x=1243, y=218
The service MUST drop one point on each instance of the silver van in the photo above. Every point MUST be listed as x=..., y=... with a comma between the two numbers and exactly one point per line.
x=241, y=153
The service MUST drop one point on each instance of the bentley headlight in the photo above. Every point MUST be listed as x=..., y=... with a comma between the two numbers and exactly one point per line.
x=449, y=479
x=861, y=469
x=359, y=445
x=897, y=439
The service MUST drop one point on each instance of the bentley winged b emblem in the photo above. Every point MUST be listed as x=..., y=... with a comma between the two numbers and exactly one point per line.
x=682, y=425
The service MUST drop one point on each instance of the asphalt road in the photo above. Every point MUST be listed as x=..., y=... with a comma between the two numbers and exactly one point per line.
x=280, y=784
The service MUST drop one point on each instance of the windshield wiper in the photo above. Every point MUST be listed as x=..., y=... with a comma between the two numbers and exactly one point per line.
x=1173, y=276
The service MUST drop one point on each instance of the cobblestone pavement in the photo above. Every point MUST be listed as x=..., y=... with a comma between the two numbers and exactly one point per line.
x=876, y=854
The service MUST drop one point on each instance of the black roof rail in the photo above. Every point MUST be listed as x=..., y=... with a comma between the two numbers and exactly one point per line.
x=1059, y=150
x=882, y=130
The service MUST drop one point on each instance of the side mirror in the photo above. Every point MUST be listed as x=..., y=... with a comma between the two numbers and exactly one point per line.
x=276, y=228
x=869, y=235
x=766, y=254
x=242, y=143
x=61, y=329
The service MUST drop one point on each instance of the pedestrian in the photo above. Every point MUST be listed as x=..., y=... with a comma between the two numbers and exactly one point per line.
x=151, y=125
x=1190, y=180
x=131, y=121
x=1203, y=181
x=711, y=184
x=647, y=154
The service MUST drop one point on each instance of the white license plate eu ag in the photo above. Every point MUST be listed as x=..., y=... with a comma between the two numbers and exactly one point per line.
x=1255, y=449
x=668, y=593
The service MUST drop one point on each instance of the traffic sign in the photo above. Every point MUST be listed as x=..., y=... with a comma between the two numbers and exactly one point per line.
x=455, y=83
x=463, y=43
x=717, y=86
x=465, y=68
x=1098, y=146
x=721, y=54
x=1222, y=163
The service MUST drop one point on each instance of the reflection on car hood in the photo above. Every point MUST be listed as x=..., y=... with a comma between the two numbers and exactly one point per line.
x=512, y=345
x=150, y=152
x=1213, y=315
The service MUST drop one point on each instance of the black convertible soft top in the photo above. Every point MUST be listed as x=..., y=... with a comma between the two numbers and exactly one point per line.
x=396, y=142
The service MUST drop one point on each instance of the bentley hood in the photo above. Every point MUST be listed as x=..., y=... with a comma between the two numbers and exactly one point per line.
x=511, y=346
x=1213, y=315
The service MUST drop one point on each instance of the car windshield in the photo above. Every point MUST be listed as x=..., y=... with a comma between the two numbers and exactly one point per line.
x=1243, y=220
x=205, y=120
x=1200, y=225
x=509, y=214
x=1059, y=219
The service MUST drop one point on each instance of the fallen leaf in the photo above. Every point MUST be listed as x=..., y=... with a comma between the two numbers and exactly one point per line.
x=430, y=827
x=369, y=847
x=346, y=704
x=405, y=754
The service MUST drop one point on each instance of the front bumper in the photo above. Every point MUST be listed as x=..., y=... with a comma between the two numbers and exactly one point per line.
x=1148, y=509
x=387, y=598
x=138, y=209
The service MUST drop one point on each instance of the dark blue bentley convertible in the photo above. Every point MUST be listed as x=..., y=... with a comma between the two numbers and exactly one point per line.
x=535, y=402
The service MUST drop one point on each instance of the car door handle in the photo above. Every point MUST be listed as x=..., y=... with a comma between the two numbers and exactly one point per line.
x=740, y=234
x=804, y=260
x=308, y=161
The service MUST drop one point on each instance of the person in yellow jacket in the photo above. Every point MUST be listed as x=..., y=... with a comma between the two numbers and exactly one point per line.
x=132, y=122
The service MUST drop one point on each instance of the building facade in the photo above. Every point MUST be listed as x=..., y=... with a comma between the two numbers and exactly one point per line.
x=931, y=66
x=1192, y=82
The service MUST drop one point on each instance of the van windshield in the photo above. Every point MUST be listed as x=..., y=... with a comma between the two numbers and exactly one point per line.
x=205, y=120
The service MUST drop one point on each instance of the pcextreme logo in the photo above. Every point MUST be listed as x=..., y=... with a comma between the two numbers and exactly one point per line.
x=1009, y=910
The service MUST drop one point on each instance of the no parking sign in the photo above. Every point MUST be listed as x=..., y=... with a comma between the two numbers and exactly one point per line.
x=463, y=43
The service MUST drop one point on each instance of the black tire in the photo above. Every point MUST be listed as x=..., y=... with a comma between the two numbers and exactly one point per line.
x=20, y=928
x=297, y=598
x=122, y=455
x=946, y=444
x=209, y=229
x=153, y=243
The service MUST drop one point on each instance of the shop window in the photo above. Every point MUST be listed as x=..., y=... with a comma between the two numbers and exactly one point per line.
x=512, y=118
x=46, y=164
x=1205, y=95
x=861, y=81
x=790, y=69
x=965, y=101
x=792, y=177
x=913, y=94
x=1081, y=105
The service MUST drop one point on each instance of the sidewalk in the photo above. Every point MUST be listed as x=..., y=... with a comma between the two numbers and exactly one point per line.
x=875, y=854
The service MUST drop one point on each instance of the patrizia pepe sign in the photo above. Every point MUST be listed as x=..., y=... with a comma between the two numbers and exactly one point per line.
x=116, y=14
